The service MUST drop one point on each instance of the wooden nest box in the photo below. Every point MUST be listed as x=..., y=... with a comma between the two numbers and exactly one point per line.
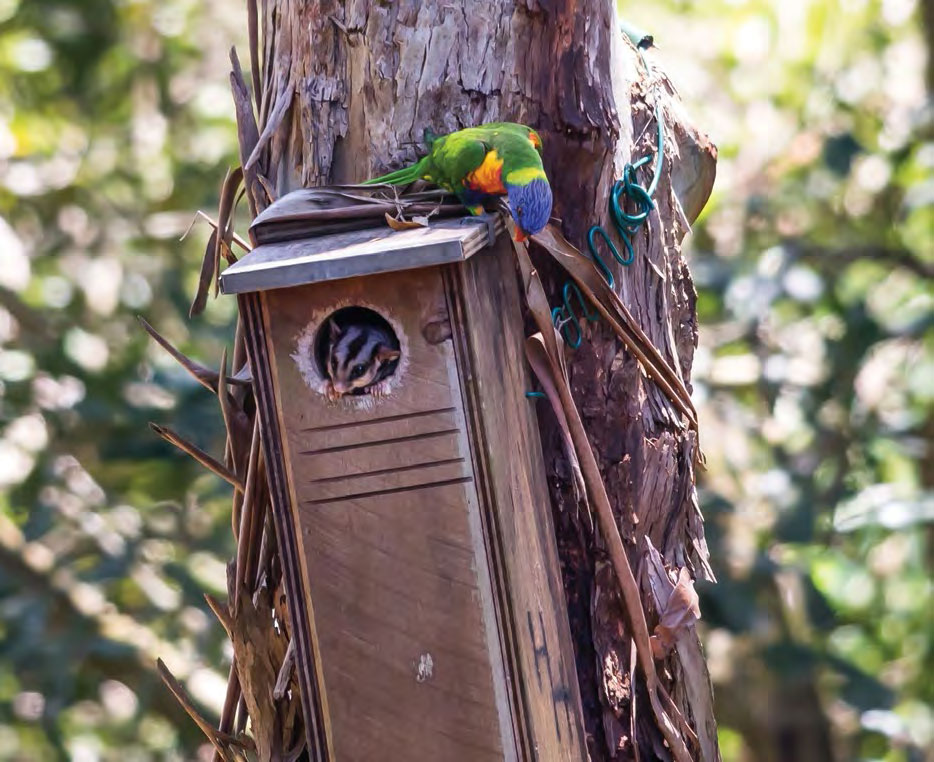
x=414, y=528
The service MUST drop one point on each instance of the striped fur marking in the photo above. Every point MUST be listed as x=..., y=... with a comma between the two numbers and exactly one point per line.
x=359, y=356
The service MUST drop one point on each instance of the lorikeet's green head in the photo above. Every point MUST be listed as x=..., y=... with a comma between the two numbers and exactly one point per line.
x=530, y=205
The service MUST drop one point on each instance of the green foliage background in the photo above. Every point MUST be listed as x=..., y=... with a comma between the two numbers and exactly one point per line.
x=815, y=374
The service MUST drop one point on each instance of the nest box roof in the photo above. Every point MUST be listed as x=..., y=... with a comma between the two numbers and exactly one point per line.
x=291, y=252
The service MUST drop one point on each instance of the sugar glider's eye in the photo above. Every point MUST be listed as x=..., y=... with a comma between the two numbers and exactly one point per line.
x=357, y=370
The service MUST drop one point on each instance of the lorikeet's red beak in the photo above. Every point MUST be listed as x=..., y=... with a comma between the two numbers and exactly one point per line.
x=521, y=236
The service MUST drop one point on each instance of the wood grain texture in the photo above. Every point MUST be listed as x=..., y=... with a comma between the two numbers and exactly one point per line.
x=353, y=254
x=280, y=498
x=487, y=324
x=421, y=531
x=390, y=541
x=364, y=79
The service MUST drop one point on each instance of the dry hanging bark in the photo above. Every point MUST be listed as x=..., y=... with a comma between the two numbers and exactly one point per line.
x=347, y=90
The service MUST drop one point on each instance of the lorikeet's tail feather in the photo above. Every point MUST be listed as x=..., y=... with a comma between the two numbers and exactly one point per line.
x=402, y=176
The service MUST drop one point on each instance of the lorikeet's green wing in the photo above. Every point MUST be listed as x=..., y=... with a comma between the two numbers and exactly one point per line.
x=453, y=159
x=511, y=130
x=474, y=162
x=455, y=156
x=515, y=158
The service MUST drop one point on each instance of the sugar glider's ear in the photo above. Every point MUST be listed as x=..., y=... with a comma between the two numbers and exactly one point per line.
x=334, y=331
x=387, y=354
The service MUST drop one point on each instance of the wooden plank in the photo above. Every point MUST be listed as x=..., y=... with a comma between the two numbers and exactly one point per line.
x=439, y=551
x=309, y=212
x=390, y=539
x=413, y=424
x=307, y=663
x=380, y=460
x=357, y=253
x=487, y=324
x=392, y=481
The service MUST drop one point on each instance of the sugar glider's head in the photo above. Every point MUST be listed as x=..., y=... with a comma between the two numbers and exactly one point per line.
x=357, y=356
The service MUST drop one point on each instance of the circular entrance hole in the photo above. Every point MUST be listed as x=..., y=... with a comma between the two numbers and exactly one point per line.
x=357, y=349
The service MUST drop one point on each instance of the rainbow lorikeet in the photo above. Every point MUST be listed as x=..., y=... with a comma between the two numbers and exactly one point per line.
x=496, y=159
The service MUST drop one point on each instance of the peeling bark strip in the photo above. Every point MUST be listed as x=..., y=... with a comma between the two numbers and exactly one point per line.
x=546, y=343
x=348, y=89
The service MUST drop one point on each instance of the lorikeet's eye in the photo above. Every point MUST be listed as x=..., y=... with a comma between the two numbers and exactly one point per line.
x=518, y=211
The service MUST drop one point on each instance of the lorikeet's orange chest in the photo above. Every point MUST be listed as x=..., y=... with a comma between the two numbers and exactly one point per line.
x=488, y=177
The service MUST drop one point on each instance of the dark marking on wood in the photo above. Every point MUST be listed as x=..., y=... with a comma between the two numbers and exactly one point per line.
x=391, y=491
x=382, y=471
x=383, y=419
x=375, y=443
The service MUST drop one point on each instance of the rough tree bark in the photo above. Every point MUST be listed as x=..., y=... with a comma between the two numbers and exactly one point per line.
x=347, y=89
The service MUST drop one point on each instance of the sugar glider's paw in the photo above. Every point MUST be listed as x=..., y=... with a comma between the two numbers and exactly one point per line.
x=380, y=390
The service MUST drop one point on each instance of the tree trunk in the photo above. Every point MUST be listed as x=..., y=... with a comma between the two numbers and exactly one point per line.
x=347, y=91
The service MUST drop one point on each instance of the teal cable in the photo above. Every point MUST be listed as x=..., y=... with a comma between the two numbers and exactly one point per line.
x=626, y=224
